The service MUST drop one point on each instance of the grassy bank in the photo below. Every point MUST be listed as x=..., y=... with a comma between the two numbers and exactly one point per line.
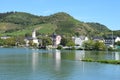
x=102, y=61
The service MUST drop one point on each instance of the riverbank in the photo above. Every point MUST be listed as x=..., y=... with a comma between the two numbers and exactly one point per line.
x=102, y=61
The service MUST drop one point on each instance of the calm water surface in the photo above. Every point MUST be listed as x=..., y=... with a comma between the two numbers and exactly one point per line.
x=33, y=64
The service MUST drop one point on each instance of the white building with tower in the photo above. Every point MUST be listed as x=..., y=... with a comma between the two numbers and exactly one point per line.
x=33, y=39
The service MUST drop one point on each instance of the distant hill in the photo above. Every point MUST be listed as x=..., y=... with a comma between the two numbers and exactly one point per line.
x=21, y=23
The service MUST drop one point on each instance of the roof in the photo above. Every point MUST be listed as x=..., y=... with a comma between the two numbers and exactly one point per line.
x=29, y=38
x=98, y=38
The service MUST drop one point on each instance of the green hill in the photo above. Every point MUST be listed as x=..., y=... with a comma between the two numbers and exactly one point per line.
x=20, y=23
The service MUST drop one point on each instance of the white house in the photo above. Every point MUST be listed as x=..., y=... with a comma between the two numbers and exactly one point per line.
x=79, y=40
x=117, y=39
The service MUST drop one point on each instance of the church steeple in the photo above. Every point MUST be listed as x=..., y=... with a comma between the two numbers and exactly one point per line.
x=34, y=34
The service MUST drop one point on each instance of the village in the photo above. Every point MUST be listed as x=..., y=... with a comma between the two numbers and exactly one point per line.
x=60, y=42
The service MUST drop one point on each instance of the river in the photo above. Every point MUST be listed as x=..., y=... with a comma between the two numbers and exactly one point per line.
x=35, y=64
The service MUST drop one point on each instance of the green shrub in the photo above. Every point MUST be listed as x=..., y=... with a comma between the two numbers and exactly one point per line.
x=59, y=47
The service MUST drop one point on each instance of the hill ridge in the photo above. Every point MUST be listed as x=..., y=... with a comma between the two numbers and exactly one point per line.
x=61, y=23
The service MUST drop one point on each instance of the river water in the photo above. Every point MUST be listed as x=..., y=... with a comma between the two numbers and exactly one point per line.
x=34, y=64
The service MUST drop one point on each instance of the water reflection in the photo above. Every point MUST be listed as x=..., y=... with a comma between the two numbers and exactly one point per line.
x=102, y=55
x=42, y=58
x=79, y=55
x=35, y=59
x=116, y=55
x=57, y=58
x=27, y=64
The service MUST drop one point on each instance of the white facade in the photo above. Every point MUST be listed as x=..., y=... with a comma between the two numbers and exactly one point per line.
x=35, y=40
x=79, y=40
x=86, y=39
x=58, y=40
x=34, y=34
x=117, y=39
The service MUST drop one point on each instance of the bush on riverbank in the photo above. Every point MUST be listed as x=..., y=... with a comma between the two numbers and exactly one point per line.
x=102, y=61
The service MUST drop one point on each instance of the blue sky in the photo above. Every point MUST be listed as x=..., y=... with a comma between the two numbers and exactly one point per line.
x=106, y=12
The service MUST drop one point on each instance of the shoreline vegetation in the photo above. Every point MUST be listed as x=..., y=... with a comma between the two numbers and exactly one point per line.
x=102, y=61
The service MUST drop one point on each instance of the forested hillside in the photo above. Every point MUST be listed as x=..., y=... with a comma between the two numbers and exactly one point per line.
x=21, y=23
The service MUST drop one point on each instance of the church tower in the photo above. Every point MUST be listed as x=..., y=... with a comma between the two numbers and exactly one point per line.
x=35, y=40
x=34, y=34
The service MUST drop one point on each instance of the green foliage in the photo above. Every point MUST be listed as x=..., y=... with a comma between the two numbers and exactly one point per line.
x=2, y=15
x=46, y=41
x=10, y=41
x=94, y=45
x=77, y=34
x=98, y=27
x=70, y=43
x=118, y=43
x=73, y=48
x=66, y=27
x=117, y=32
x=100, y=46
x=89, y=45
x=110, y=49
x=66, y=41
x=8, y=27
x=2, y=42
x=20, y=23
x=103, y=61
x=20, y=40
x=59, y=47
x=46, y=28
x=21, y=18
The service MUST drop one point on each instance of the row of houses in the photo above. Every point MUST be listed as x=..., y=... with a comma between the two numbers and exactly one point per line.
x=109, y=41
x=56, y=39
